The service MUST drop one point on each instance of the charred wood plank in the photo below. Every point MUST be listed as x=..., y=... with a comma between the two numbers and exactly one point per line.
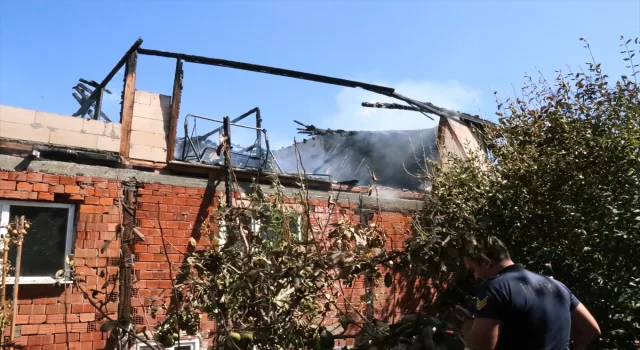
x=94, y=96
x=128, y=100
x=267, y=70
x=175, y=110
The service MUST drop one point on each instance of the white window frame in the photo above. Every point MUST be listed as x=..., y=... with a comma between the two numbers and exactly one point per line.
x=193, y=343
x=4, y=221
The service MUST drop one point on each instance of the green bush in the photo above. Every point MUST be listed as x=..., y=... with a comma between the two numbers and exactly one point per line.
x=562, y=191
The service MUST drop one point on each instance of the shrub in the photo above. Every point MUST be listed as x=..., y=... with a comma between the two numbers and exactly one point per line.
x=562, y=191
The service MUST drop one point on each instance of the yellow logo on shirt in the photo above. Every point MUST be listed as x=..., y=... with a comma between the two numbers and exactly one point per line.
x=481, y=303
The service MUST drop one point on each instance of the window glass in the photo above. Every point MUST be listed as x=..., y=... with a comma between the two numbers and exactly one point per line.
x=43, y=250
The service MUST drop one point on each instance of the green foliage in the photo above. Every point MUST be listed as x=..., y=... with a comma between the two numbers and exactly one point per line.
x=562, y=191
x=273, y=283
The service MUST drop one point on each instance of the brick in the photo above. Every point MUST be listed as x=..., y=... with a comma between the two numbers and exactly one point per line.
x=73, y=138
x=83, y=179
x=22, y=319
x=34, y=177
x=155, y=110
x=101, y=192
x=82, y=308
x=63, y=338
x=29, y=330
x=17, y=176
x=147, y=257
x=16, y=195
x=24, y=186
x=71, y=189
x=107, y=143
x=148, y=153
x=17, y=115
x=4, y=175
x=8, y=185
x=68, y=180
x=56, y=188
x=40, y=340
x=161, y=100
x=87, y=317
x=41, y=187
x=106, y=201
x=149, y=139
x=149, y=125
x=142, y=97
x=33, y=319
x=87, y=191
x=59, y=122
x=112, y=130
x=38, y=309
x=95, y=127
x=50, y=179
x=91, y=200
x=55, y=309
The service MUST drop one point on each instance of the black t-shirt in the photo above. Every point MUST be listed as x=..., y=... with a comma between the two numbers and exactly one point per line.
x=534, y=310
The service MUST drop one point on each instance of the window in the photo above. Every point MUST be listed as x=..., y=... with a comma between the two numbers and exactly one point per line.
x=295, y=227
x=185, y=344
x=47, y=242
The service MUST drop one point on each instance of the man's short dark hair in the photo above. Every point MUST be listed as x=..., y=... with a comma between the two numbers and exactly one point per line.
x=493, y=250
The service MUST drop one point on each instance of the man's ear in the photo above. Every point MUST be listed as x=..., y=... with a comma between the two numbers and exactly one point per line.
x=485, y=262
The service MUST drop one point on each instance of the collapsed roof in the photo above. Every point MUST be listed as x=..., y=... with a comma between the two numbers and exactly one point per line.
x=398, y=159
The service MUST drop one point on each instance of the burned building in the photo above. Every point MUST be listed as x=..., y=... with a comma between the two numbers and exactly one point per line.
x=86, y=181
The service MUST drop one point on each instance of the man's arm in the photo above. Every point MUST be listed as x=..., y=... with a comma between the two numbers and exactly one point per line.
x=481, y=333
x=584, y=328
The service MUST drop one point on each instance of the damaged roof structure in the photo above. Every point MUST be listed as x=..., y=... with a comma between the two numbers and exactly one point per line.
x=146, y=136
x=90, y=178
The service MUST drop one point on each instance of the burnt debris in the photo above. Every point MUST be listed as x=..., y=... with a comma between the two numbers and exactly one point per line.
x=198, y=147
x=313, y=130
x=84, y=89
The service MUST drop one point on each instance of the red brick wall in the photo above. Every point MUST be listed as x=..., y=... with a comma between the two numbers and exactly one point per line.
x=175, y=212
x=48, y=316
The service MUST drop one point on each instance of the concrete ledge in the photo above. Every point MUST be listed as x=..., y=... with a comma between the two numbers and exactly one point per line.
x=9, y=163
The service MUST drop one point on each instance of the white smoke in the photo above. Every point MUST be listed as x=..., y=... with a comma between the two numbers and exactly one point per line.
x=352, y=116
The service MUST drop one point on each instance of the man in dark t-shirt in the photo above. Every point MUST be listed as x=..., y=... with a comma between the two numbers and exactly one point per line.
x=518, y=309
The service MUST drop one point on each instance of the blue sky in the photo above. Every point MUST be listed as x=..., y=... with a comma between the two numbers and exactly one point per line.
x=452, y=53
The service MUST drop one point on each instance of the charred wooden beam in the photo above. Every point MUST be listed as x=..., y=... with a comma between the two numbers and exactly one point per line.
x=126, y=263
x=390, y=106
x=128, y=99
x=95, y=95
x=94, y=84
x=433, y=109
x=226, y=147
x=267, y=70
x=80, y=99
x=175, y=110
x=383, y=90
